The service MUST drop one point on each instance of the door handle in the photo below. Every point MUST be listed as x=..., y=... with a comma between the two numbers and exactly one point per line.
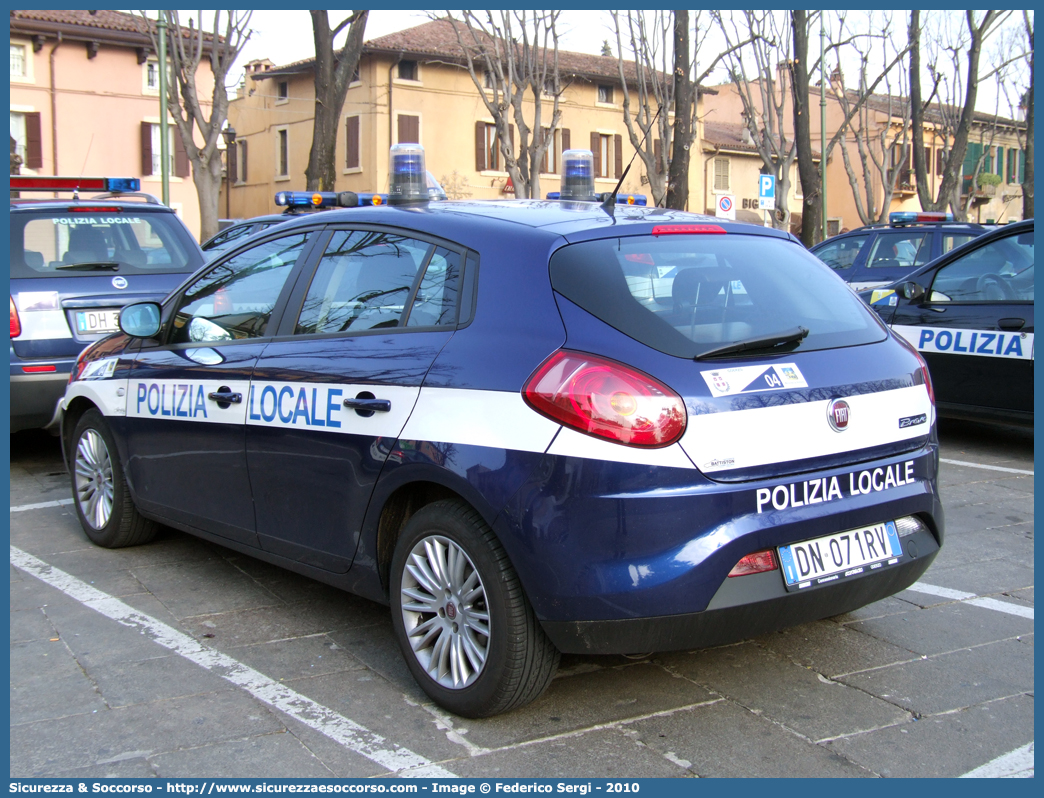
x=370, y=404
x=223, y=396
x=1011, y=325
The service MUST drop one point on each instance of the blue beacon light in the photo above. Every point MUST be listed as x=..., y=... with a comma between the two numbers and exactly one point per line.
x=409, y=178
x=578, y=175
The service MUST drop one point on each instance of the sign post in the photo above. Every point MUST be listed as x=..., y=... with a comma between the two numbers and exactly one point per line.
x=767, y=196
x=726, y=208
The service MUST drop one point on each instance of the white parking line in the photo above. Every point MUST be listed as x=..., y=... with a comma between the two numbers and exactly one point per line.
x=21, y=508
x=1016, y=765
x=338, y=728
x=971, y=598
x=983, y=465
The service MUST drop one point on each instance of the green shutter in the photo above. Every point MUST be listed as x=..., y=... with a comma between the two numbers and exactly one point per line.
x=1022, y=167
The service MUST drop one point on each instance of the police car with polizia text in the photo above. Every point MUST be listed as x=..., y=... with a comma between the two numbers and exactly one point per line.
x=74, y=263
x=474, y=412
x=970, y=314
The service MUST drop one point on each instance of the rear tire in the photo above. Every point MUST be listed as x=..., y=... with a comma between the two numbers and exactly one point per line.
x=465, y=627
x=100, y=494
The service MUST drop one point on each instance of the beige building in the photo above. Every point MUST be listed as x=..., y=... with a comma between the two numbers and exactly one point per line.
x=1000, y=203
x=410, y=88
x=85, y=101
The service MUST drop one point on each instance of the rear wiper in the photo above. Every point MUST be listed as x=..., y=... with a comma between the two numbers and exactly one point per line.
x=762, y=342
x=93, y=266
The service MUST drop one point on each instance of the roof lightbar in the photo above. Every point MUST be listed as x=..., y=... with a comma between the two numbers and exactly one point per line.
x=55, y=183
x=621, y=199
x=900, y=217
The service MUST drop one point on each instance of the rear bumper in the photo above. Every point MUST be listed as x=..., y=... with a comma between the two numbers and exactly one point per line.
x=35, y=397
x=744, y=607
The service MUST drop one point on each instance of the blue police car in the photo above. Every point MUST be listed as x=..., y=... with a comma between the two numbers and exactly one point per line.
x=970, y=314
x=74, y=263
x=478, y=413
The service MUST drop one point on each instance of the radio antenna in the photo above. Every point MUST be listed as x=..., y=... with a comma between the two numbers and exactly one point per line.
x=610, y=199
x=76, y=191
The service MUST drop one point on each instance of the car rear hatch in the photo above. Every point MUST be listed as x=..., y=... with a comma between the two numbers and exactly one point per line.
x=678, y=305
x=74, y=265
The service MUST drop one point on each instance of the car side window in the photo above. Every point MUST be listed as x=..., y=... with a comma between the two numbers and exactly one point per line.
x=235, y=299
x=843, y=253
x=901, y=250
x=1001, y=271
x=366, y=279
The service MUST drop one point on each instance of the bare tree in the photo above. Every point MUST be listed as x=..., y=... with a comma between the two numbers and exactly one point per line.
x=956, y=109
x=333, y=74
x=510, y=54
x=186, y=49
x=663, y=83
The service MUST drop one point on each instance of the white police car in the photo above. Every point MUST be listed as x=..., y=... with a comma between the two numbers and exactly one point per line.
x=970, y=314
x=469, y=410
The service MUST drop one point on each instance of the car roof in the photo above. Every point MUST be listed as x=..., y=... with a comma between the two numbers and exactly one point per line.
x=572, y=220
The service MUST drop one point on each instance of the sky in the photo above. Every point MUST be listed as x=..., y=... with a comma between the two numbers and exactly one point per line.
x=286, y=36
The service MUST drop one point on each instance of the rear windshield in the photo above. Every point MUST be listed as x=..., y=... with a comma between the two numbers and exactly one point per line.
x=688, y=294
x=53, y=243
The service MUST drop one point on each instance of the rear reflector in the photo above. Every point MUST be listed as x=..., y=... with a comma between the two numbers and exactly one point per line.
x=688, y=229
x=756, y=563
x=38, y=369
x=606, y=399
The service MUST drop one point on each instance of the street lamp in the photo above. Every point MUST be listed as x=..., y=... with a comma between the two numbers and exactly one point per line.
x=229, y=134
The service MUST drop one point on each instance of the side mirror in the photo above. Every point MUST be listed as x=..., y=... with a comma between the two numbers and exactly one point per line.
x=909, y=291
x=141, y=320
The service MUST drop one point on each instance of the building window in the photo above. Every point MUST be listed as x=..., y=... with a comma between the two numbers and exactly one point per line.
x=608, y=154
x=151, y=153
x=283, y=152
x=150, y=76
x=408, y=70
x=21, y=62
x=602, y=157
x=352, y=159
x=939, y=157
x=488, y=157
x=549, y=164
x=1013, y=165
x=409, y=129
x=605, y=94
x=487, y=79
x=721, y=174
x=241, y=162
x=928, y=161
x=282, y=92
x=26, y=138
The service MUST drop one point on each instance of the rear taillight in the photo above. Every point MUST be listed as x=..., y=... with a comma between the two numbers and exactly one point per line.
x=925, y=375
x=757, y=563
x=606, y=399
x=16, y=323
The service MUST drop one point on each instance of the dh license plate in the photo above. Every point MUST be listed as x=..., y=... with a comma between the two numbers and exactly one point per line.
x=89, y=322
x=836, y=557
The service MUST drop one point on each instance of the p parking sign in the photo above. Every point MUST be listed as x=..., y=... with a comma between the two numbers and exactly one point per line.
x=767, y=192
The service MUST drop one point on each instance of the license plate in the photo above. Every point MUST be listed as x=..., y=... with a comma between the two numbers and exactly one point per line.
x=89, y=322
x=840, y=556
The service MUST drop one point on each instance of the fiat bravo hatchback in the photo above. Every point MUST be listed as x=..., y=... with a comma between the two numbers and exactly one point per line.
x=530, y=427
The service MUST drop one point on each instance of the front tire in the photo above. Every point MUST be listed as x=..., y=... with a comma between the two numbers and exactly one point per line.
x=100, y=493
x=465, y=627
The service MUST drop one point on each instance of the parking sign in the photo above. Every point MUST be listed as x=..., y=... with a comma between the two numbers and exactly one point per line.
x=726, y=207
x=767, y=193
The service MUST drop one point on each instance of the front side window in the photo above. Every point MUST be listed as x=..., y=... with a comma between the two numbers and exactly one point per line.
x=688, y=294
x=234, y=300
x=905, y=250
x=1001, y=271
x=370, y=280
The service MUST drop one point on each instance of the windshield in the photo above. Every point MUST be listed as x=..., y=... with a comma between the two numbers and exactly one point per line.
x=689, y=294
x=124, y=240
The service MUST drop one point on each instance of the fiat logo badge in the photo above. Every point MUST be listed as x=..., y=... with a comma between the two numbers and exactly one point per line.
x=838, y=413
x=119, y=282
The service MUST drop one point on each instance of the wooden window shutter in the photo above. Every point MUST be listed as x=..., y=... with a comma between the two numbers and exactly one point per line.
x=565, y=139
x=146, y=148
x=232, y=164
x=618, y=156
x=33, y=141
x=596, y=149
x=351, y=135
x=181, y=160
x=480, y=146
x=242, y=173
x=409, y=129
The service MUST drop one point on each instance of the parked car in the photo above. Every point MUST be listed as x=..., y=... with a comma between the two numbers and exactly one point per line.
x=877, y=255
x=478, y=413
x=970, y=314
x=74, y=263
